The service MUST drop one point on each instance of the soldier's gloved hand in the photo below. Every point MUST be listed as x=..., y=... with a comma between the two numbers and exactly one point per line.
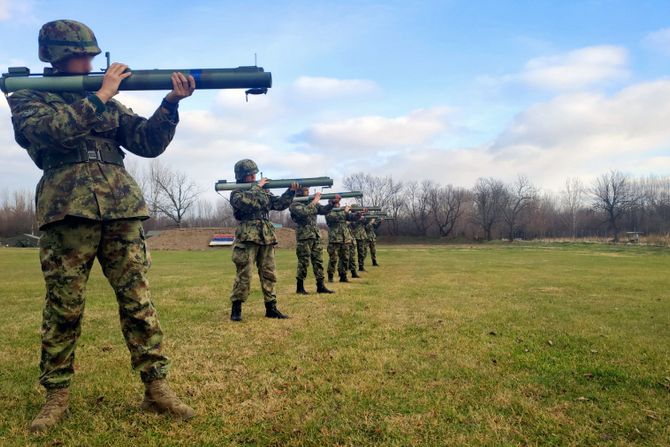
x=294, y=186
x=263, y=181
x=181, y=88
x=111, y=81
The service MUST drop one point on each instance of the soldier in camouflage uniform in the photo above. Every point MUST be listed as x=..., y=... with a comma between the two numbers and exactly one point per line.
x=339, y=241
x=361, y=238
x=89, y=207
x=255, y=238
x=308, y=240
x=370, y=228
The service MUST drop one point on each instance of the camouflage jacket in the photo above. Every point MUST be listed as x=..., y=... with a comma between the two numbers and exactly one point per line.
x=304, y=215
x=51, y=125
x=370, y=230
x=358, y=230
x=338, y=227
x=252, y=207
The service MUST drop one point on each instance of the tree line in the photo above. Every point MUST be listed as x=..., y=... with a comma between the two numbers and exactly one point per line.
x=611, y=206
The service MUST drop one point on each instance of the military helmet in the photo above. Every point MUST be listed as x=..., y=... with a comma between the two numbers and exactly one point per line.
x=243, y=168
x=61, y=39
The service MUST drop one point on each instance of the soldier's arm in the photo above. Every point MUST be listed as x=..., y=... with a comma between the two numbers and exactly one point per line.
x=282, y=202
x=246, y=201
x=303, y=210
x=56, y=123
x=324, y=209
x=147, y=137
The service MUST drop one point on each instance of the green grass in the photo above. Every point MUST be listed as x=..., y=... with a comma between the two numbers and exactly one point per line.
x=490, y=345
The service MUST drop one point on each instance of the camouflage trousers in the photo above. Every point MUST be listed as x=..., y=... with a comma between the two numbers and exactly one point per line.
x=372, y=245
x=351, y=249
x=309, y=250
x=245, y=256
x=67, y=251
x=362, y=248
x=338, y=258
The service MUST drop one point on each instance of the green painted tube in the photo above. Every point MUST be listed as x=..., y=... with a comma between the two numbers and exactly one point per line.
x=205, y=78
x=223, y=185
x=359, y=208
x=331, y=195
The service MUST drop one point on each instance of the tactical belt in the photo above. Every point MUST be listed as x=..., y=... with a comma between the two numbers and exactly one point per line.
x=111, y=155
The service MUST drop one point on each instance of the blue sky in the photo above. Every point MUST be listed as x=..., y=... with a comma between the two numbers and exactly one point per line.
x=445, y=90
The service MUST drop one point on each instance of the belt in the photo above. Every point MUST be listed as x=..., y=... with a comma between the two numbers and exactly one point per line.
x=53, y=160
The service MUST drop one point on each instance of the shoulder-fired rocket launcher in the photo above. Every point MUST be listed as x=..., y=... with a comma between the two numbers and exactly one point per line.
x=224, y=185
x=332, y=195
x=358, y=208
x=253, y=78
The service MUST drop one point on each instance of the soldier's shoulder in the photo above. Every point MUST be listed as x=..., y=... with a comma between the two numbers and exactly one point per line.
x=25, y=95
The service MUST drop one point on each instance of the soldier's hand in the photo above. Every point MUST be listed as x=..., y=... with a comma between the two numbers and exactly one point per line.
x=338, y=198
x=347, y=208
x=181, y=87
x=294, y=186
x=111, y=81
x=317, y=197
x=262, y=182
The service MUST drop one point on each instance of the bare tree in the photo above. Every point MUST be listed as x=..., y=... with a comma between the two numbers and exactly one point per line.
x=572, y=201
x=417, y=202
x=613, y=195
x=379, y=191
x=172, y=193
x=446, y=207
x=516, y=199
x=489, y=196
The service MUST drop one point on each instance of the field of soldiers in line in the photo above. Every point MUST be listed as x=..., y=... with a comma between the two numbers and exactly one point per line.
x=479, y=345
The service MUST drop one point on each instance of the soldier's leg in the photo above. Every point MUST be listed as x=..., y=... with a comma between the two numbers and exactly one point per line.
x=373, y=251
x=333, y=251
x=316, y=253
x=125, y=262
x=343, y=261
x=67, y=252
x=244, y=257
x=302, y=252
x=360, y=245
x=265, y=262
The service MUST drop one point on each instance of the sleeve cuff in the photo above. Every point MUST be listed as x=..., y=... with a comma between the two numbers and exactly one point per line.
x=100, y=106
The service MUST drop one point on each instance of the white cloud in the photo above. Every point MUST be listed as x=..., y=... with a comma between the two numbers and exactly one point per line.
x=417, y=128
x=15, y=10
x=658, y=40
x=576, y=69
x=322, y=88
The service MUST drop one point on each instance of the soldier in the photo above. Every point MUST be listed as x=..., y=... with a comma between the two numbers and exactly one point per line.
x=89, y=207
x=361, y=238
x=339, y=241
x=255, y=238
x=370, y=228
x=308, y=239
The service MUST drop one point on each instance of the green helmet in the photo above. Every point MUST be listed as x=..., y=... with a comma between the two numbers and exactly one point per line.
x=243, y=168
x=61, y=39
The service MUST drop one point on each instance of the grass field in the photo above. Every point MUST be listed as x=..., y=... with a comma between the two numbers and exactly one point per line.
x=450, y=345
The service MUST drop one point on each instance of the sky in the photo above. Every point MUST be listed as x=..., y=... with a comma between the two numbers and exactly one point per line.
x=443, y=90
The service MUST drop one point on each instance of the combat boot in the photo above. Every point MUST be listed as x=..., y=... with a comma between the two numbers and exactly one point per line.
x=271, y=311
x=300, y=287
x=53, y=410
x=375, y=264
x=330, y=277
x=321, y=287
x=362, y=269
x=354, y=274
x=236, y=311
x=159, y=398
x=343, y=278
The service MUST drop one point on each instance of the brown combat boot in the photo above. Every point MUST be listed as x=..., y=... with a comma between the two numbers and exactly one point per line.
x=159, y=398
x=53, y=410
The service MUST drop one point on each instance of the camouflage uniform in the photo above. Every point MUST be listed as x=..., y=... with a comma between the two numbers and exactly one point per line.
x=308, y=237
x=339, y=242
x=351, y=264
x=88, y=206
x=361, y=242
x=372, y=239
x=255, y=239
